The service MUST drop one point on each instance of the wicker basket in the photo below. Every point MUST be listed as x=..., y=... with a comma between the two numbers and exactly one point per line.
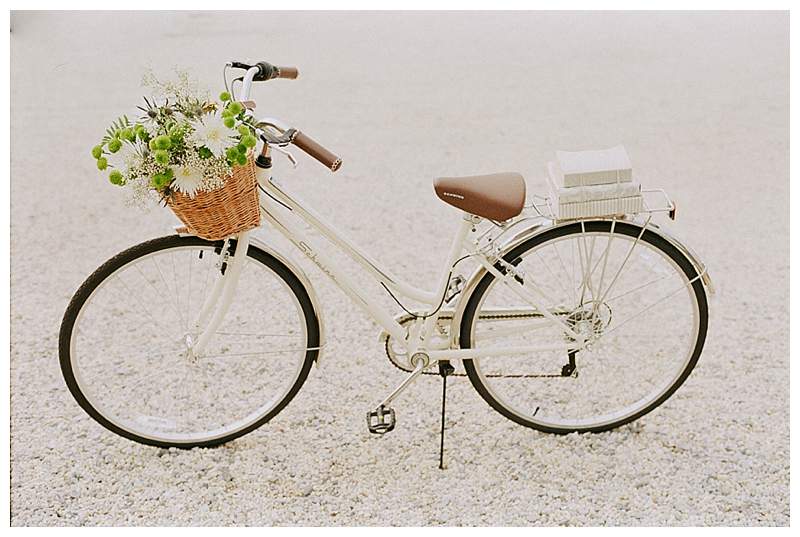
x=222, y=212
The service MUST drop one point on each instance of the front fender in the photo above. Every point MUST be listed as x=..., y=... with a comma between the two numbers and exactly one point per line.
x=527, y=228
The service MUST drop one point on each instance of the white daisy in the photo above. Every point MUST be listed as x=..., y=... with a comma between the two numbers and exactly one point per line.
x=125, y=158
x=188, y=179
x=151, y=127
x=213, y=134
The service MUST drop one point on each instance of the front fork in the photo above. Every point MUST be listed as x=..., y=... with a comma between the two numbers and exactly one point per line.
x=219, y=300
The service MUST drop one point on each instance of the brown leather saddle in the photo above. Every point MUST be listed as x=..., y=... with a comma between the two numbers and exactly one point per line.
x=498, y=196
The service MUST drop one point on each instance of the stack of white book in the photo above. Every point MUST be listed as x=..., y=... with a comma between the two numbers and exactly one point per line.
x=593, y=183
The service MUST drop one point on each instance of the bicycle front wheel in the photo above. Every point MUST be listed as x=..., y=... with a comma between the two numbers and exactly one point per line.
x=635, y=295
x=123, y=344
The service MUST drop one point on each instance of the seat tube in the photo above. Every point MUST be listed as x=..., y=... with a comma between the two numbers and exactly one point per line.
x=456, y=248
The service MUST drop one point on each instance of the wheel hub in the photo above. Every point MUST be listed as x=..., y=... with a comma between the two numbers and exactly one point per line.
x=188, y=342
x=590, y=320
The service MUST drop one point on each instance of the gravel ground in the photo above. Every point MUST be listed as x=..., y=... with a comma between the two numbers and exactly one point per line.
x=700, y=101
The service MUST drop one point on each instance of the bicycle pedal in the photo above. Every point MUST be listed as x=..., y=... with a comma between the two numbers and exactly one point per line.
x=381, y=420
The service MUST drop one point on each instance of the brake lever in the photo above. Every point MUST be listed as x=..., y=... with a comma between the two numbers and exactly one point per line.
x=289, y=156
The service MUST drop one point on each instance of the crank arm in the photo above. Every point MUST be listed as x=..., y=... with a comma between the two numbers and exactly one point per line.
x=420, y=367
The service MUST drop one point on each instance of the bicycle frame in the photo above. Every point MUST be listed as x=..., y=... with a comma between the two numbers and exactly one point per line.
x=283, y=210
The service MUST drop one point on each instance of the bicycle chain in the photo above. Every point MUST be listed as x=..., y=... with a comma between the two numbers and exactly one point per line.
x=406, y=318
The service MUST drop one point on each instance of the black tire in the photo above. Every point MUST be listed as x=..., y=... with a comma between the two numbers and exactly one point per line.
x=163, y=243
x=513, y=257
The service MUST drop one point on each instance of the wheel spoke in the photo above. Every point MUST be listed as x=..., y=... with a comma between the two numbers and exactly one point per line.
x=150, y=316
x=177, y=293
x=189, y=288
x=605, y=260
x=176, y=308
x=587, y=271
x=654, y=304
x=627, y=256
x=550, y=272
x=638, y=288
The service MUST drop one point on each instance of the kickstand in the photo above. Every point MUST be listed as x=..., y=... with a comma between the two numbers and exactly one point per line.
x=444, y=370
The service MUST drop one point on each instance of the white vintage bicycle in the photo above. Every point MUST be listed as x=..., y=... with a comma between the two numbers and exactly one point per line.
x=564, y=326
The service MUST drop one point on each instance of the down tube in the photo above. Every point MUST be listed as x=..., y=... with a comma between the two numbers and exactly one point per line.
x=298, y=237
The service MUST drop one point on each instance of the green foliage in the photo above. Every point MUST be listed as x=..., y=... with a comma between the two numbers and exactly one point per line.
x=232, y=153
x=116, y=127
x=127, y=134
x=141, y=133
x=161, y=156
x=116, y=178
x=162, y=142
x=177, y=132
x=163, y=179
x=249, y=140
x=204, y=152
x=235, y=108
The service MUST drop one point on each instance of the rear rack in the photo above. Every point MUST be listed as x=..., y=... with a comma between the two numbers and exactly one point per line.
x=654, y=200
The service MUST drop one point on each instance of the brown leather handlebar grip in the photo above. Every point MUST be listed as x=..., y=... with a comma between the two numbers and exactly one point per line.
x=310, y=146
x=287, y=72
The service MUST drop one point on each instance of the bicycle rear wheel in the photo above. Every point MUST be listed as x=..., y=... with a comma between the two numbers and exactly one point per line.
x=636, y=294
x=123, y=344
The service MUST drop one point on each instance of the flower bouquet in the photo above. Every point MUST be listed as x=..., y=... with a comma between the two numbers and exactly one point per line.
x=192, y=153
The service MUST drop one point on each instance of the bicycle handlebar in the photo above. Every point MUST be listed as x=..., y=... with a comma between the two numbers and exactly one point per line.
x=314, y=149
x=287, y=72
x=262, y=71
x=267, y=71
